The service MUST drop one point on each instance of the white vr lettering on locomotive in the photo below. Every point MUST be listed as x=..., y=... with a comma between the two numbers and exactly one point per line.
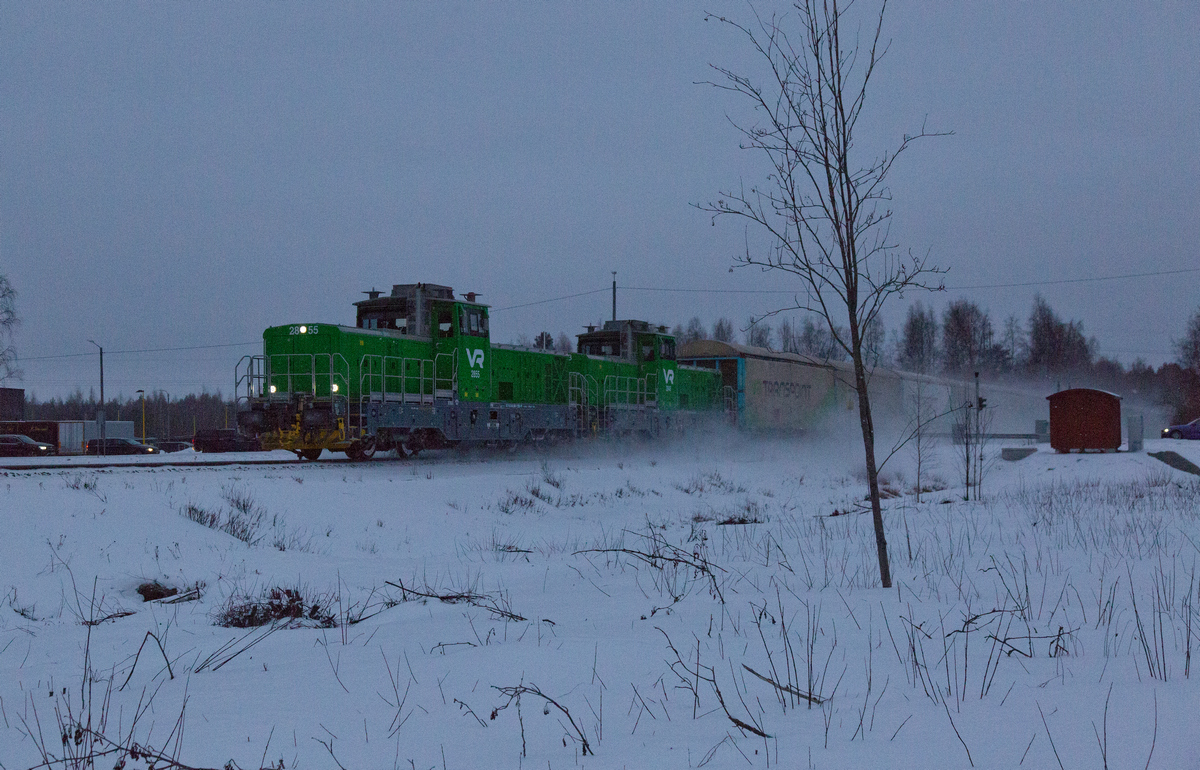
x=669, y=376
x=475, y=358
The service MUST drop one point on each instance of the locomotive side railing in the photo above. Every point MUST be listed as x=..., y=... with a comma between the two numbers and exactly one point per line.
x=583, y=394
x=323, y=377
x=393, y=378
x=626, y=391
x=249, y=381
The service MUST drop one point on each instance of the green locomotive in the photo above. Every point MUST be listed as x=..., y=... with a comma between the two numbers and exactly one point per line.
x=419, y=371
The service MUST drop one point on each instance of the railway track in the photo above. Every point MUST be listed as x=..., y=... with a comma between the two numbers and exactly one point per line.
x=89, y=463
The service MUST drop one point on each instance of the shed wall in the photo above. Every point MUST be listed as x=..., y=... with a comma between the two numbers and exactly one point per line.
x=1085, y=419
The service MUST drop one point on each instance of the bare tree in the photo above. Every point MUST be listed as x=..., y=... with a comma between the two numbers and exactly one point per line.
x=1188, y=348
x=972, y=424
x=694, y=331
x=787, y=337
x=819, y=342
x=1014, y=340
x=564, y=344
x=723, y=330
x=8, y=327
x=875, y=343
x=966, y=331
x=758, y=334
x=921, y=409
x=1056, y=346
x=918, y=343
x=822, y=209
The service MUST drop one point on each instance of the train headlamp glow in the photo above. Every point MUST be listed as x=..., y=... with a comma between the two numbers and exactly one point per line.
x=335, y=387
x=304, y=330
x=272, y=388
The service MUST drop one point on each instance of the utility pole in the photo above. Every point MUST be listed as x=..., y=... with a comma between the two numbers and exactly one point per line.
x=614, y=295
x=978, y=436
x=142, y=394
x=100, y=413
x=168, y=397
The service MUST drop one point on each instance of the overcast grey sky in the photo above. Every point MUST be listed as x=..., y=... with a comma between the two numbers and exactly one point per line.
x=186, y=174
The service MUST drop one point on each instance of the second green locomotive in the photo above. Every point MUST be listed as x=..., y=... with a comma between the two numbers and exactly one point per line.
x=419, y=371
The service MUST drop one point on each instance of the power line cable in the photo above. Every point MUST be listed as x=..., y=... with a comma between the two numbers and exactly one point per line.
x=544, y=301
x=144, y=350
x=1076, y=280
x=678, y=290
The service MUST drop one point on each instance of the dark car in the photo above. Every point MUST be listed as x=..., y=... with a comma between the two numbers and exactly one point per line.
x=173, y=446
x=119, y=446
x=16, y=445
x=224, y=440
x=1187, y=430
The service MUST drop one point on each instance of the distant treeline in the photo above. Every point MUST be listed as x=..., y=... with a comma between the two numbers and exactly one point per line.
x=179, y=418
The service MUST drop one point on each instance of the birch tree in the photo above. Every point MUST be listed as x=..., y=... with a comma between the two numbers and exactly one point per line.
x=823, y=203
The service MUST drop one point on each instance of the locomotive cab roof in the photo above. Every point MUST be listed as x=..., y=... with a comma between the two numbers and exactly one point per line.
x=628, y=339
x=408, y=309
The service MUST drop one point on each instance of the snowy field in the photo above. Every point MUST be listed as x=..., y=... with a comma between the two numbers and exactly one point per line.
x=695, y=604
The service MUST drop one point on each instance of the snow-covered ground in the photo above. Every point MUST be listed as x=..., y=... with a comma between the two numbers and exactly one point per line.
x=499, y=610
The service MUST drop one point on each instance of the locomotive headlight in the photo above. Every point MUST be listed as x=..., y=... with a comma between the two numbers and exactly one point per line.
x=304, y=330
x=272, y=388
x=335, y=387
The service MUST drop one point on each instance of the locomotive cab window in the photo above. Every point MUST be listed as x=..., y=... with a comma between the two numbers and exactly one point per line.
x=606, y=343
x=444, y=317
x=666, y=349
x=473, y=321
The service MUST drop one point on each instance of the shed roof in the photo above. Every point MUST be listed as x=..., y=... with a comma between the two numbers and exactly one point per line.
x=1075, y=391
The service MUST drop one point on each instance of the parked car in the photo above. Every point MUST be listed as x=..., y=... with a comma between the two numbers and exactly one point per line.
x=1187, y=430
x=224, y=440
x=16, y=445
x=119, y=446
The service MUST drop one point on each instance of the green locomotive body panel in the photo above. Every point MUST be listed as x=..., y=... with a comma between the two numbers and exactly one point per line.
x=522, y=376
x=698, y=389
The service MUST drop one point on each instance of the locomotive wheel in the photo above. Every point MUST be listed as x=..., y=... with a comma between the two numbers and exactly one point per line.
x=361, y=450
x=311, y=454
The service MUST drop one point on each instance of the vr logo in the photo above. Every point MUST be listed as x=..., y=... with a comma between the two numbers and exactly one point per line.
x=669, y=377
x=475, y=358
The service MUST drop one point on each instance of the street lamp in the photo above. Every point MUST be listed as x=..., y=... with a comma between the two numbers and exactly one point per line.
x=100, y=413
x=142, y=395
x=168, y=397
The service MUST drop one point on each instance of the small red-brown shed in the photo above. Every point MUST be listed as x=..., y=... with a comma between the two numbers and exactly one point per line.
x=1083, y=419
